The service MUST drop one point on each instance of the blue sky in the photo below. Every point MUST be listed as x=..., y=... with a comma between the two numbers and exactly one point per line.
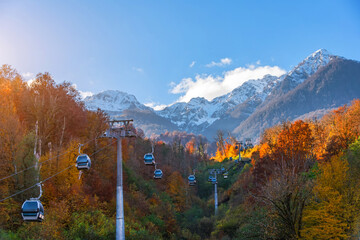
x=166, y=51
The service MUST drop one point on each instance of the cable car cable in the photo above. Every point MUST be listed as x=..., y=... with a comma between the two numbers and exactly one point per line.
x=14, y=174
x=36, y=184
x=46, y=179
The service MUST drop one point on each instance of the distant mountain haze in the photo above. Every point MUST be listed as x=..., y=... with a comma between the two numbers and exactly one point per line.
x=319, y=83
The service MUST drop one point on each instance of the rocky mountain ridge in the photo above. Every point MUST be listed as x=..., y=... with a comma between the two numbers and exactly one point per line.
x=228, y=112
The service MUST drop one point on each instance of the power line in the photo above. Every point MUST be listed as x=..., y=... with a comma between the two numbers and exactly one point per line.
x=46, y=179
x=14, y=174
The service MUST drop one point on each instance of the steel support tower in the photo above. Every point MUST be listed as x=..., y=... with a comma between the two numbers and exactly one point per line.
x=119, y=129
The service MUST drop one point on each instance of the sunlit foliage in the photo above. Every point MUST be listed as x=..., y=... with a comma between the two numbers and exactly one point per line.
x=302, y=180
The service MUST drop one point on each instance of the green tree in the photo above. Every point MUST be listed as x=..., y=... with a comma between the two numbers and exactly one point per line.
x=91, y=225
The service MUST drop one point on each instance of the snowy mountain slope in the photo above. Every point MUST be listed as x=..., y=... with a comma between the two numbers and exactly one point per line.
x=121, y=105
x=195, y=112
x=199, y=113
x=251, y=89
x=310, y=65
x=331, y=86
x=301, y=72
x=113, y=101
x=226, y=112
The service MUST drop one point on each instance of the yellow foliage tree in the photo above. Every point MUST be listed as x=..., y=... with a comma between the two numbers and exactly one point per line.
x=190, y=146
x=175, y=188
x=331, y=212
x=226, y=152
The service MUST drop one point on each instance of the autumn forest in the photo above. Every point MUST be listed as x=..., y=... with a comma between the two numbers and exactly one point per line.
x=302, y=181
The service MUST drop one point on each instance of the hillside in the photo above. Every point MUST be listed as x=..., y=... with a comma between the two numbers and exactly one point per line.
x=259, y=197
x=50, y=134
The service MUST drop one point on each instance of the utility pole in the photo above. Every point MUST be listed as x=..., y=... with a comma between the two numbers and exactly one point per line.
x=119, y=129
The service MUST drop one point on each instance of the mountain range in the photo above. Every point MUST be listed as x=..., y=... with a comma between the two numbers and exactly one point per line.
x=320, y=82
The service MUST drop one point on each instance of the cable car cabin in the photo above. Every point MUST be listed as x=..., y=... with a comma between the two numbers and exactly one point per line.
x=226, y=174
x=241, y=148
x=32, y=210
x=192, y=180
x=158, y=174
x=214, y=181
x=211, y=178
x=83, y=162
x=248, y=144
x=149, y=159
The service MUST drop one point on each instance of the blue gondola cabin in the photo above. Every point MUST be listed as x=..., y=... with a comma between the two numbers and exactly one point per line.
x=83, y=162
x=149, y=159
x=192, y=180
x=32, y=210
x=158, y=174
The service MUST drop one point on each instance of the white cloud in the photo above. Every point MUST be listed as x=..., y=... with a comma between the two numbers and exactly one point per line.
x=83, y=95
x=28, y=75
x=29, y=82
x=140, y=70
x=209, y=87
x=183, y=86
x=223, y=62
x=155, y=106
x=258, y=62
x=192, y=64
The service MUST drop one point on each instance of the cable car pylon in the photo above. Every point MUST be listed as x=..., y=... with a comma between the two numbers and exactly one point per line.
x=119, y=129
x=213, y=180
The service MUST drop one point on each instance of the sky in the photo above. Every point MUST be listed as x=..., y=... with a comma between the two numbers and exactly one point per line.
x=168, y=51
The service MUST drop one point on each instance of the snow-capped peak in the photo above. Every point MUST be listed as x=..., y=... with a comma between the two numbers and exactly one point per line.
x=198, y=101
x=310, y=65
x=319, y=57
x=247, y=90
x=113, y=100
x=320, y=52
x=201, y=112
